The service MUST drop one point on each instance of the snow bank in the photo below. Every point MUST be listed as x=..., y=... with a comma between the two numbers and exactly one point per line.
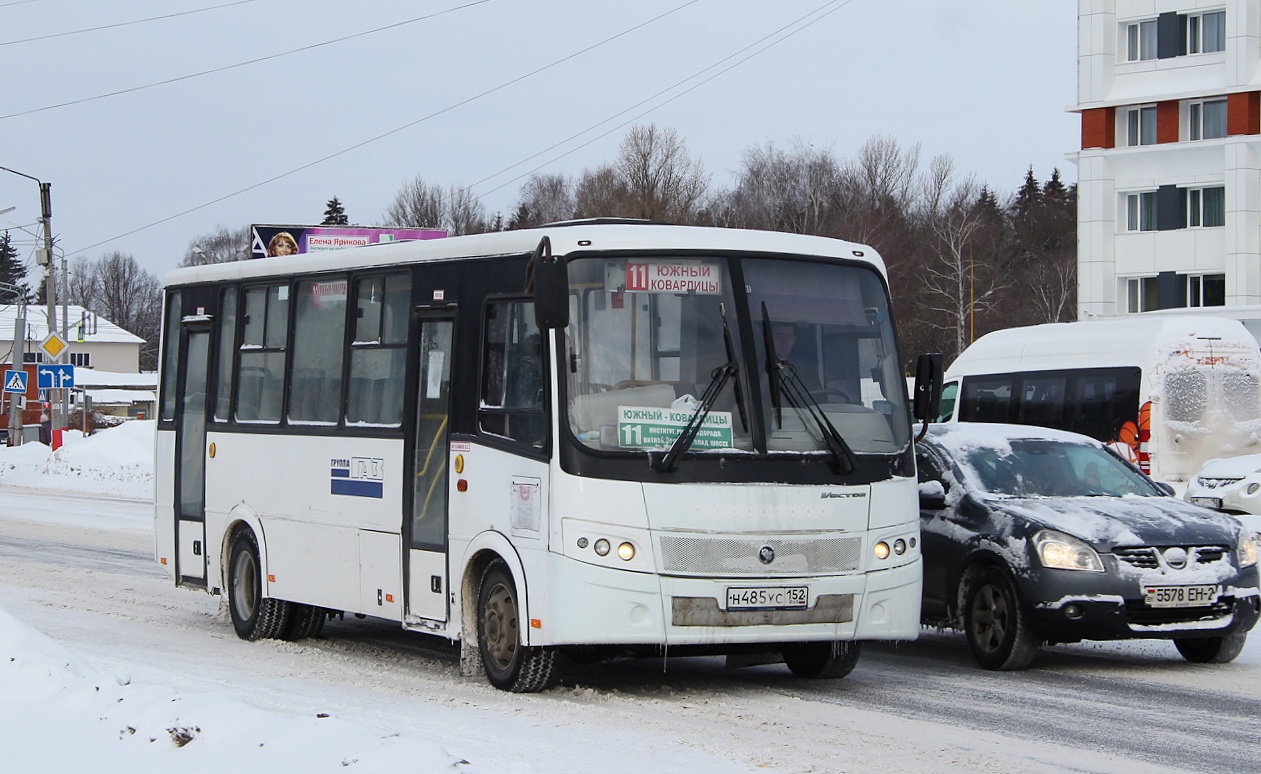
x=58, y=714
x=117, y=461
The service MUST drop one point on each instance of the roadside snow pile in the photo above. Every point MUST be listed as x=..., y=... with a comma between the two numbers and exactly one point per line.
x=58, y=714
x=117, y=461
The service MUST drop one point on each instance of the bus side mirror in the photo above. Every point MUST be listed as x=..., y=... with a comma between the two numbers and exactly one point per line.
x=927, y=399
x=549, y=276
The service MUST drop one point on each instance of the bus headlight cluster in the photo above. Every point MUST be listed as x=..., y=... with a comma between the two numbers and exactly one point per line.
x=625, y=549
x=884, y=549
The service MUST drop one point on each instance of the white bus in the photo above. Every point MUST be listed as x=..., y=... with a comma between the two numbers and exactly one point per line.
x=568, y=439
x=1168, y=393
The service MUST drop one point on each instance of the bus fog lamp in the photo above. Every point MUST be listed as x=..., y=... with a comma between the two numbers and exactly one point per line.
x=602, y=547
x=625, y=552
x=882, y=550
x=899, y=546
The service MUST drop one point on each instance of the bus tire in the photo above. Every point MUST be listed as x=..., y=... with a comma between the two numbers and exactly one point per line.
x=509, y=665
x=821, y=660
x=998, y=632
x=253, y=616
x=1211, y=650
x=304, y=621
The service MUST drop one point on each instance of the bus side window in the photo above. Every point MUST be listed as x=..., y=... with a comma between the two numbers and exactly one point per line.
x=987, y=399
x=512, y=391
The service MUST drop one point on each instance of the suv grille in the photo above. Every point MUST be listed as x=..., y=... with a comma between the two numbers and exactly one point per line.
x=1149, y=557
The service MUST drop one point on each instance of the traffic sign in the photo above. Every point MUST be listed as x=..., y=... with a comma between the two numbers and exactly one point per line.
x=54, y=345
x=55, y=376
x=15, y=381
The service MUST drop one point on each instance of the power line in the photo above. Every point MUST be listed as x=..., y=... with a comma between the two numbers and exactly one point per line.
x=383, y=135
x=120, y=24
x=237, y=65
x=695, y=75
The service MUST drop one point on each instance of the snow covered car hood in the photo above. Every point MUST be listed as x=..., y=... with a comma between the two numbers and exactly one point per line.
x=1107, y=522
x=1231, y=467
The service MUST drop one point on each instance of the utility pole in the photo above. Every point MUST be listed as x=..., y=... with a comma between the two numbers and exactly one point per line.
x=15, y=401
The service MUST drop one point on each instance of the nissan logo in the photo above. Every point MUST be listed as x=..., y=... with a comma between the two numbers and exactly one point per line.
x=766, y=555
x=1176, y=557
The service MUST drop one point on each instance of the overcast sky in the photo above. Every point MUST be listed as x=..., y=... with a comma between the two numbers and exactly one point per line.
x=479, y=93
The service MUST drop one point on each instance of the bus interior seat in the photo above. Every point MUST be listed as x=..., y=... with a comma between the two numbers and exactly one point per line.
x=592, y=411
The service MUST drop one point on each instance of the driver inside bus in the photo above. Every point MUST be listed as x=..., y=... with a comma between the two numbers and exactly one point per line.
x=784, y=335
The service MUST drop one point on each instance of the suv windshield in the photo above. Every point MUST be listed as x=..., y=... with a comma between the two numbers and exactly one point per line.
x=648, y=337
x=1037, y=468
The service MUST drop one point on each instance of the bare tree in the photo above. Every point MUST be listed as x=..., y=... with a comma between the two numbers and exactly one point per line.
x=959, y=278
x=544, y=199
x=223, y=245
x=662, y=179
x=418, y=204
x=600, y=193
x=83, y=286
x=118, y=289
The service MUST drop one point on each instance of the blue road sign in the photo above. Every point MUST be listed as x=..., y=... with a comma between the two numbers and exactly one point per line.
x=15, y=381
x=56, y=376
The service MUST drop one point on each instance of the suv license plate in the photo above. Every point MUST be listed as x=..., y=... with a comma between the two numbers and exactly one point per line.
x=768, y=598
x=1208, y=502
x=1180, y=596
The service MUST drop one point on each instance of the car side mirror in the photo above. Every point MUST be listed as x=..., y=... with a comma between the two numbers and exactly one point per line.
x=932, y=496
x=1166, y=488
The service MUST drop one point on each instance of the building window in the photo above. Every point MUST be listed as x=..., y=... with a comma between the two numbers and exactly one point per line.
x=1206, y=290
x=1140, y=211
x=1141, y=294
x=81, y=359
x=1207, y=120
x=1140, y=41
x=32, y=357
x=1206, y=207
x=1206, y=32
x=1140, y=125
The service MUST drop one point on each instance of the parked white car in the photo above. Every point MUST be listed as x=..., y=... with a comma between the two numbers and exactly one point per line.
x=1231, y=485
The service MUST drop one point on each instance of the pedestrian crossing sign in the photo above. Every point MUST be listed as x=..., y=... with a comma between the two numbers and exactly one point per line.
x=15, y=381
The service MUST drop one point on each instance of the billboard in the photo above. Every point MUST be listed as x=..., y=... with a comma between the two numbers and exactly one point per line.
x=267, y=241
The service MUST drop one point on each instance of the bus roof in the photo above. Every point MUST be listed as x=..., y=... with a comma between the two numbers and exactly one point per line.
x=565, y=238
x=1098, y=343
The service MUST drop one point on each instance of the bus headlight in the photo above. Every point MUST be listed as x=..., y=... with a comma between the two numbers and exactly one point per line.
x=601, y=547
x=882, y=550
x=625, y=552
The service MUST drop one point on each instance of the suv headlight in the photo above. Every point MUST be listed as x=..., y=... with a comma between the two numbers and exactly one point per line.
x=1065, y=552
x=1247, y=548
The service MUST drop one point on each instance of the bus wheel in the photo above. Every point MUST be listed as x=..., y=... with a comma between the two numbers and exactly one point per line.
x=822, y=660
x=304, y=621
x=253, y=616
x=509, y=665
x=1211, y=650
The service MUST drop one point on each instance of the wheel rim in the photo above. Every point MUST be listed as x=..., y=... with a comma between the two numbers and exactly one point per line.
x=989, y=618
x=499, y=625
x=245, y=584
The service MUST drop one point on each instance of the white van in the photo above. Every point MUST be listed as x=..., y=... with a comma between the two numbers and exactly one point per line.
x=1168, y=392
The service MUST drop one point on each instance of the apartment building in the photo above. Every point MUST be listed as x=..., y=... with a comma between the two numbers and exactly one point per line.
x=1169, y=171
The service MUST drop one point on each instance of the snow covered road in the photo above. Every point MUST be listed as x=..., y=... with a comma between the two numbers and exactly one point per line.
x=80, y=569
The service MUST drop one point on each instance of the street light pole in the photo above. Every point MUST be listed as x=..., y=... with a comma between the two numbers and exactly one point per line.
x=50, y=281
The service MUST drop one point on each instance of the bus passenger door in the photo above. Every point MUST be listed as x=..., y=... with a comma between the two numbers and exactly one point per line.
x=427, y=548
x=190, y=456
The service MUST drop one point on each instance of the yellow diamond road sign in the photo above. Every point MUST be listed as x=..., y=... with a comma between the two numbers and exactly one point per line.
x=54, y=345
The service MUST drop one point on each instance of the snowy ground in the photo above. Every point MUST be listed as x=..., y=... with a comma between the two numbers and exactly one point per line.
x=105, y=667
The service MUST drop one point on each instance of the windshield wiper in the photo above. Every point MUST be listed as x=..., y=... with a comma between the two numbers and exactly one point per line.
x=785, y=379
x=721, y=375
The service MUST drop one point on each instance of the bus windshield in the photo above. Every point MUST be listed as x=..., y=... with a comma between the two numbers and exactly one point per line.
x=808, y=347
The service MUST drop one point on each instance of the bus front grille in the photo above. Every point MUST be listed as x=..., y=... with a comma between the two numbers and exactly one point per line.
x=750, y=557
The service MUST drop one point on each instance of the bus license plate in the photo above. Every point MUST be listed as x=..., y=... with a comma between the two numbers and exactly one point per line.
x=768, y=598
x=1180, y=596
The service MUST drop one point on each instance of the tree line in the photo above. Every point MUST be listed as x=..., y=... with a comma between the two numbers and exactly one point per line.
x=962, y=259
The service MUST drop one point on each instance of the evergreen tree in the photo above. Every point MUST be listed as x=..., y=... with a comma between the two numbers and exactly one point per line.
x=12, y=271
x=335, y=214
